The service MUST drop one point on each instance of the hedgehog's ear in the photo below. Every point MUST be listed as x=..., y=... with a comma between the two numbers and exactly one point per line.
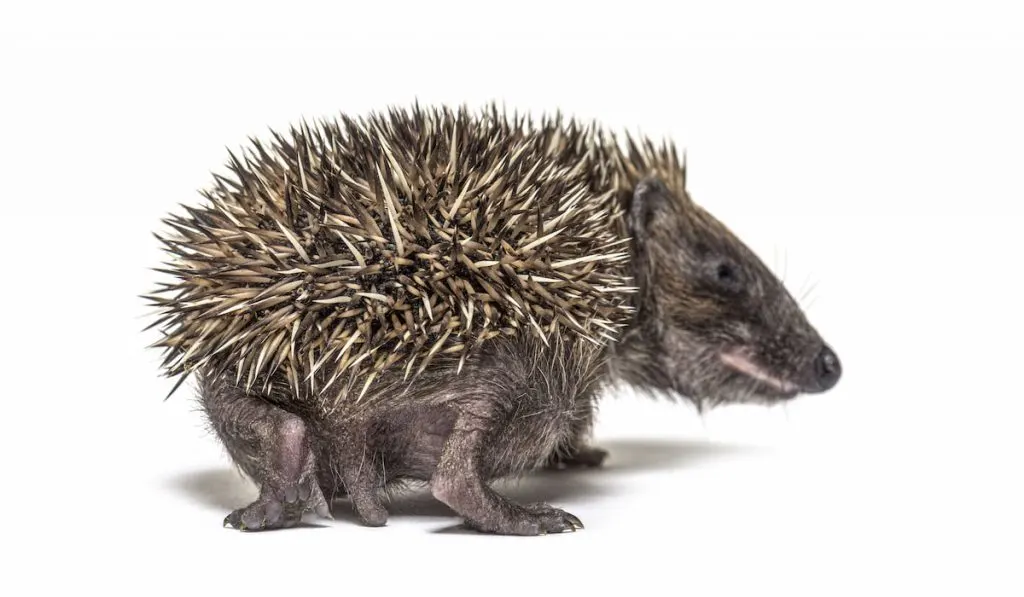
x=653, y=212
x=651, y=202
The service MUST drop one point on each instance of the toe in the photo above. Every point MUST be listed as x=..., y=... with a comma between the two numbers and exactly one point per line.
x=554, y=520
x=373, y=516
x=556, y=524
x=233, y=520
x=305, y=489
x=323, y=510
x=272, y=514
x=254, y=517
x=317, y=502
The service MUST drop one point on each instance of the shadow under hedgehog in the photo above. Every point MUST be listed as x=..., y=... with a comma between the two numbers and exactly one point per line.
x=439, y=295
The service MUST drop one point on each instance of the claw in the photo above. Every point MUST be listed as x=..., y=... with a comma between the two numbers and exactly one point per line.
x=234, y=521
x=323, y=511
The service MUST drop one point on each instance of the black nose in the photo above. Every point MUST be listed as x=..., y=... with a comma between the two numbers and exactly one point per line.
x=827, y=369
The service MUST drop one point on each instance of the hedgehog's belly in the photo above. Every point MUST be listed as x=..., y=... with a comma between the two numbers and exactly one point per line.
x=517, y=403
x=410, y=441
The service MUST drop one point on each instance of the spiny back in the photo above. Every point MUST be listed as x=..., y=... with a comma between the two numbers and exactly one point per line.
x=342, y=249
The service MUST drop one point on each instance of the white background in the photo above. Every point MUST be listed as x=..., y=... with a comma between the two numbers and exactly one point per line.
x=874, y=150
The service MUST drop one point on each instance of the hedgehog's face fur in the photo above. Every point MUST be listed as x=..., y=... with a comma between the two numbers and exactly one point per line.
x=713, y=322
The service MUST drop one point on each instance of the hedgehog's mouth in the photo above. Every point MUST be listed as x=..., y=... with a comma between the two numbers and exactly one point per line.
x=739, y=361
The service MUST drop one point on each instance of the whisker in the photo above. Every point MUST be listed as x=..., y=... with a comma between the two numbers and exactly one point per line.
x=785, y=264
x=807, y=293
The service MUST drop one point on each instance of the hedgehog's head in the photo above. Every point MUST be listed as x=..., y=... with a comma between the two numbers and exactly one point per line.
x=713, y=322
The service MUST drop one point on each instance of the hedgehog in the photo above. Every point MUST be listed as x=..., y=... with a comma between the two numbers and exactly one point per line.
x=440, y=296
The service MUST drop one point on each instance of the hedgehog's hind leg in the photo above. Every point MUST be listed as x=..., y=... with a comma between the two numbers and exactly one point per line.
x=272, y=447
x=362, y=484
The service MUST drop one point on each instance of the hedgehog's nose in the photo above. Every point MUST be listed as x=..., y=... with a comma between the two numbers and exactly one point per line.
x=827, y=369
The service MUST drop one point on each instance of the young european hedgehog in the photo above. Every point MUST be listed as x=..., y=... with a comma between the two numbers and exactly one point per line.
x=440, y=295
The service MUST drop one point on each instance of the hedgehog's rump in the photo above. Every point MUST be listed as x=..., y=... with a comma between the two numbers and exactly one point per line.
x=349, y=247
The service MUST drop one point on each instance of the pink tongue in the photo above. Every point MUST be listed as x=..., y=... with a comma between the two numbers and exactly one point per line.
x=738, y=361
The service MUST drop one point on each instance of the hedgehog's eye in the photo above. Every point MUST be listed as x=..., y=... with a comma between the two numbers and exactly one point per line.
x=728, y=276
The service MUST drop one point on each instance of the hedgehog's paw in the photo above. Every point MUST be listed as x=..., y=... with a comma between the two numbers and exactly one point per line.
x=551, y=520
x=280, y=508
x=264, y=514
x=530, y=519
x=371, y=512
x=588, y=457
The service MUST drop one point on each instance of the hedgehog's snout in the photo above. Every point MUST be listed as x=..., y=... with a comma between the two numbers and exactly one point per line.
x=781, y=371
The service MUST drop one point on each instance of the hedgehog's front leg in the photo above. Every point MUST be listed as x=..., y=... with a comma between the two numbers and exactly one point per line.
x=272, y=447
x=578, y=457
x=578, y=453
x=458, y=482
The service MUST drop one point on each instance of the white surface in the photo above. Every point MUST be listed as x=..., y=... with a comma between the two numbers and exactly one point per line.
x=876, y=150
